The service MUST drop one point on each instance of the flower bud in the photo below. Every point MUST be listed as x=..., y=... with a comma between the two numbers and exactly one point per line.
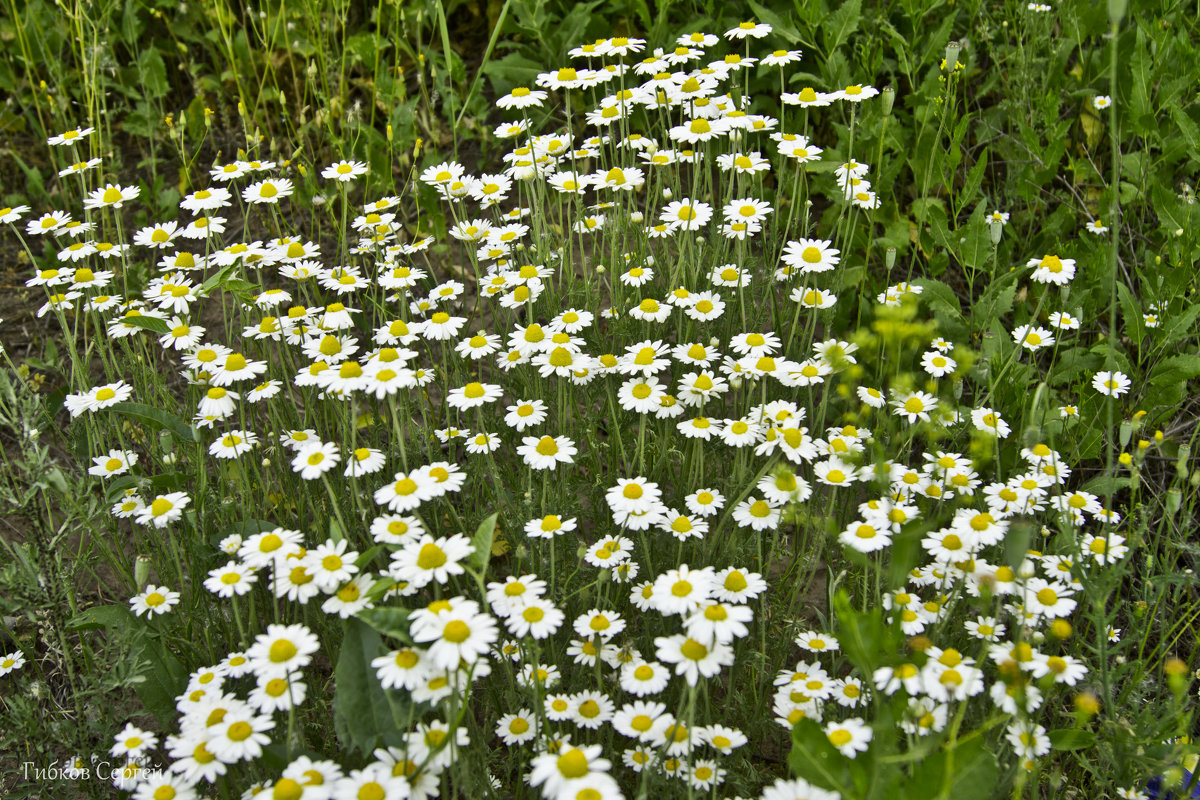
x=141, y=572
x=888, y=99
x=952, y=51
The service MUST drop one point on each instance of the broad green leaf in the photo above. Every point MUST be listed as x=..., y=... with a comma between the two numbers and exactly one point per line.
x=1175, y=369
x=153, y=73
x=966, y=770
x=1071, y=739
x=816, y=760
x=861, y=634
x=482, y=541
x=164, y=678
x=152, y=324
x=388, y=621
x=116, y=617
x=157, y=418
x=363, y=715
x=939, y=297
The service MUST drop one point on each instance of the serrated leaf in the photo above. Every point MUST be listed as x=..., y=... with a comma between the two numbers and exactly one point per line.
x=841, y=24
x=157, y=418
x=939, y=297
x=215, y=280
x=1176, y=368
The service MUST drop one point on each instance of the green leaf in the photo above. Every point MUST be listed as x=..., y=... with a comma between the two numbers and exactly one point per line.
x=116, y=617
x=164, y=678
x=940, y=297
x=216, y=279
x=1171, y=370
x=861, y=634
x=816, y=760
x=152, y=324
x=149, y=415
x=966, y=770
x=974, y=179
x=363, y=714
x=511, y=71
x=482, y=541
x=153, y=73
x=841, y=24
x=1071, y=739
x=778, y=24
x=1187, y=126
x=388, y=621
x=1131, y=310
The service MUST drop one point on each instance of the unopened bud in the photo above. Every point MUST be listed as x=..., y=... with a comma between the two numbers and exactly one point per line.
x=888, y=99
x=141, y=572
x=889, y=258
x=952, y=51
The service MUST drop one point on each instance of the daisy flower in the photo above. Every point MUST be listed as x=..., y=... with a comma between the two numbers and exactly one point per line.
x=70, y=137
x=267, y=192
x=914, y=405
x=455, y=634
x=344, y=171
x=989, y=421
x=850, y=737
x=811, y=255
x=473, y=395
x=693, y=659
x=1113, y=384
x=1051, y=269
x=115, y=463
x=522, y=97
x=686, y=214
x=98, y=398
x=163, y=510
x=154, y=600
x=427, y=559
x=282, y=650
x=546, y=452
